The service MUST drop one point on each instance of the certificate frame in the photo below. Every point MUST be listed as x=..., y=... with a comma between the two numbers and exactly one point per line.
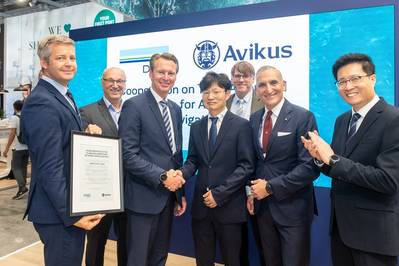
x=96, y=174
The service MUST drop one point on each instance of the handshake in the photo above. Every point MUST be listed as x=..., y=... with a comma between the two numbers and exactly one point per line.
x=174, y=180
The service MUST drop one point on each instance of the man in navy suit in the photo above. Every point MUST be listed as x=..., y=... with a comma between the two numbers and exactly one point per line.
x=220, y=148
x=283, y=183
x=150, y=126
x=48, y=117
x=363, y=164
x=105, y=114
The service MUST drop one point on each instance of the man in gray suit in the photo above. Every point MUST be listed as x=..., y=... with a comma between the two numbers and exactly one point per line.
x=105, y=114
x=244, y=103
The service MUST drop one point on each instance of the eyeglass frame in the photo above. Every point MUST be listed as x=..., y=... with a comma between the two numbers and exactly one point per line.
x=342, y=84
x=112, y=81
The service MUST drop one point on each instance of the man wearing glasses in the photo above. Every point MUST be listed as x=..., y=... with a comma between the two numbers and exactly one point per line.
x=105, y=114
x=363, y=164
x=245, y=102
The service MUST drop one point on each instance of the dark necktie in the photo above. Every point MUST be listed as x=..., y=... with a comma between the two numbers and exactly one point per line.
x=213, y=132
x=267, y=130
x=352, y=125
x=166, y=120
x=69, y=95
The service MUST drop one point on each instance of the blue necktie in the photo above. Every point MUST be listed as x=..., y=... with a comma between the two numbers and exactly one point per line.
x=213, y=132
x=69, y=95
x=352, y=125
x=166, y=120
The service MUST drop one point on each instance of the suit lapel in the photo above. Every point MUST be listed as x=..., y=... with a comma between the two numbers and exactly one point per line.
x=224, y=129
x=339, y=141
x=173, y=114
x=204, y=136
x=257, y=119
x=63, y=101
x=107, y=116
x=368, y=120
x=157, y=114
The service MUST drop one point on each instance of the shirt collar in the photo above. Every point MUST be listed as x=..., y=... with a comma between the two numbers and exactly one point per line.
x=247, y=98
x=276, y=110
x=220, y=115
x=157, y=97
x=365, y=109
x=61, y=88
x=109, y=104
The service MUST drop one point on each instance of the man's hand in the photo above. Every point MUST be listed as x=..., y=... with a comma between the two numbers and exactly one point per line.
x=179, y=210
x=94, y=129
x=310, y=146
x=174, y=180
x=89, y=222
x=5, y=153
x=250, y=204
x=258, y=189
x=209, y=201
x=323, y=149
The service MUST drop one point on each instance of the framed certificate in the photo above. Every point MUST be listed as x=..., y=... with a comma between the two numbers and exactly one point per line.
x=96, y=174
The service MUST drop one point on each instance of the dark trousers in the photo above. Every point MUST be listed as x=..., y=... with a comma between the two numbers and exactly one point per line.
x=342, y=255
x=63, y=246
x=148, y=236
x=97, y=239
x=244, y=251
x=206, y=232
x=283, y=245
x=19, y=165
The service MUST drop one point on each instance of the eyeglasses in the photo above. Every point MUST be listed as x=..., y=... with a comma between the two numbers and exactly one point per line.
x=112, y=81
x=355, y=80
x=215, y=93
x=241, y=76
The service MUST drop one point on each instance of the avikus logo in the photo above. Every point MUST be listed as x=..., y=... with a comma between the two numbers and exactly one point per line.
x=257, y=52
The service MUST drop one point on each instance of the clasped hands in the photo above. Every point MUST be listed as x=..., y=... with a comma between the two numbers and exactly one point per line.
x=258, y=191
x=174, y=180
x=317, y=147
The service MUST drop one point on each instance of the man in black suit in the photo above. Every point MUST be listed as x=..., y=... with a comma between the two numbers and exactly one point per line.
x=363, y=164
x=283, y=183
x=220, y=148
x=150, y=126
x=48, y=117
x=105, y=114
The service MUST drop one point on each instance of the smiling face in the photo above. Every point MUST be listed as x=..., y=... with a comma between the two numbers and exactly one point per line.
x=163, y=76
x=215, y=98
x=61, y=64
x=242, y=83
x=270, y=87
x=114, y=84
x=360, y=93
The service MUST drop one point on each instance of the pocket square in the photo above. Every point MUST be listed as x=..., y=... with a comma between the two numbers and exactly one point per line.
x=282, y=133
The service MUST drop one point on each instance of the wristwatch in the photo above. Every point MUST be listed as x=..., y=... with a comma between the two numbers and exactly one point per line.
x=163, y=176
x=269, y=188
x=333, y=160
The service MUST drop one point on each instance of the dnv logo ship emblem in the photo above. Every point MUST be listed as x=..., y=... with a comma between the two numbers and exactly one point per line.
x=206, y=54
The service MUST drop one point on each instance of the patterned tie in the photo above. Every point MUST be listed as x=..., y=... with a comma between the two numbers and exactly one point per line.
x=240, y=111
x=69, y=95
x=213, y=132
x=267, y=130
x=352, y=125
x=166, y=120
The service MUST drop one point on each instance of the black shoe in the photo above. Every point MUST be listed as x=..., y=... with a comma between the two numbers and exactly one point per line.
x=20, y=194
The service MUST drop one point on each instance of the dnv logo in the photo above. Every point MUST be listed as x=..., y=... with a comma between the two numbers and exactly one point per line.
x=206, y=54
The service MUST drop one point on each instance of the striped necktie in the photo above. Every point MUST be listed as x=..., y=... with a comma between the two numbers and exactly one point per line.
x=352, y=125
x=166, y=120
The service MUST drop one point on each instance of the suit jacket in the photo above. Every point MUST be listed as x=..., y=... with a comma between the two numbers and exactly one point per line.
x=225, y=172
x=256, y=103
x=288, y=167
x=365, y=184
x=97, y=113
x=147, y=153
x=47, y=120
